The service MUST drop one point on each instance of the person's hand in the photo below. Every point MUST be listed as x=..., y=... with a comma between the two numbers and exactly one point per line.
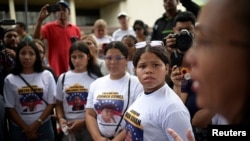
x=30, y=133
x=170, y=42
x=10, y=52
x=176, y=136
x=43, y=14
x=102, y=139
x=176, y=76
x=62, y=121
x=74, y=126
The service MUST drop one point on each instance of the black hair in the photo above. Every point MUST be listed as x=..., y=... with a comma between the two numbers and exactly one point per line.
x=185, y=17
x=92, y=66
x=131, y=37
x=117, y=45
x=37, y=67
x=21, y=24
x=6, y=30
x=142, y=25
x=158, y=51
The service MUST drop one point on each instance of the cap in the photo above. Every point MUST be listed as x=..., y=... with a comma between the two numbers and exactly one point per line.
x=64, y=2
x=122, y=14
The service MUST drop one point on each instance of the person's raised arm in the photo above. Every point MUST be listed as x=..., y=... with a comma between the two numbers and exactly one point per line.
x=43, y=14
x=191, y=6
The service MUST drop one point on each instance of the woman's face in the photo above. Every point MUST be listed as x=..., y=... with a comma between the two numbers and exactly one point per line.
x=116, y=63
x=219, y=69
x=27, y=57
x=79, y=60
x=130, y=44
x=151, y=71
x=139, y=31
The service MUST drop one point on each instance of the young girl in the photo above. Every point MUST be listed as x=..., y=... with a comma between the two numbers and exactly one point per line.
x=29, y=96
x=92, y=44
x=110, y=95
x=130, y=41
x=72, y=90
x=158, y=107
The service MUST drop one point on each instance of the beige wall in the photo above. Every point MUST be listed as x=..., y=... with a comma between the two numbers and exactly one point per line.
x=146, y=10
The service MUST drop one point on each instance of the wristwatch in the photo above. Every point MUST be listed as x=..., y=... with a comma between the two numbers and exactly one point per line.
x=40, y=121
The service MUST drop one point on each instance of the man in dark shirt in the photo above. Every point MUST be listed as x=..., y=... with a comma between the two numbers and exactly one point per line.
x=7, y=57
x=164, y=25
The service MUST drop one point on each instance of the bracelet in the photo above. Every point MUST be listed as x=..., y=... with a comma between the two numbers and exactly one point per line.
x=40, y=121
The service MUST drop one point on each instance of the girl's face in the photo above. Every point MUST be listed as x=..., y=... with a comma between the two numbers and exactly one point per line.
x=130, y=44
x=91, y=46
x=139, y=31
x=41, y=51
x=151, y=71
x=99, y=32
x=116, y=63
x=27, y=57
x=79, y=60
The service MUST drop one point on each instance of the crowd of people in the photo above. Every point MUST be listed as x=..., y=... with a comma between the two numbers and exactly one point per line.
x=168, y=85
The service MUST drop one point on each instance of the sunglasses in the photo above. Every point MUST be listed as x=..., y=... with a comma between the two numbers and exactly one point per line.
x=137, y=28
x=149, y=44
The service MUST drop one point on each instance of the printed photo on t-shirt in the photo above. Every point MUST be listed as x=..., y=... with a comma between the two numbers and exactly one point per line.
x=109, y=107
x=30, y=100
x=76, y=98
x=134, y=130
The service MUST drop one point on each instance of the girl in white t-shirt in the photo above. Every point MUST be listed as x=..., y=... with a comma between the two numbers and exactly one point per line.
x=29, y=96
x=158, y=107
x=110, y=96
x=72, y=91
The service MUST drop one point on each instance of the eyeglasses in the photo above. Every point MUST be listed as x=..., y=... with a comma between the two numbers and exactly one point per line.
x=116, y=58
x=150, y=44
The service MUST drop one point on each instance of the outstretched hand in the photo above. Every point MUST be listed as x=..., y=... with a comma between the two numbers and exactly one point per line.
x=176, y=136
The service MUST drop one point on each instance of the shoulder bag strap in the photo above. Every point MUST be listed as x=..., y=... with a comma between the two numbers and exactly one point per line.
x=125, y=108
x=32, y=89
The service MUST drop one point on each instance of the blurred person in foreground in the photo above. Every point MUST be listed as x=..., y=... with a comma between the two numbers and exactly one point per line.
x=220, y=60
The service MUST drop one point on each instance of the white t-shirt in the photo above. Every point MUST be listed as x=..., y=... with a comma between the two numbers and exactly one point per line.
x=131, y=68
x=118, y=34
x=28, y=104
x=149, y=117
x=109, y=99
x=219, y=120
x=102, y=65
x=105, y=39
x=74, y=93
